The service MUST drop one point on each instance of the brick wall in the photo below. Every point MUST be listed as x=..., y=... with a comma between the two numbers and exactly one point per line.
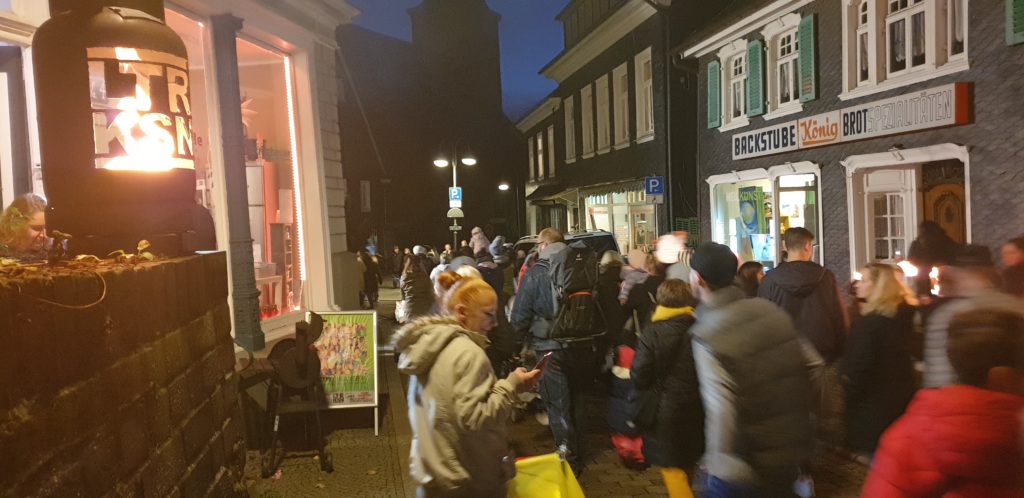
x=136, y=396
x=996, y=206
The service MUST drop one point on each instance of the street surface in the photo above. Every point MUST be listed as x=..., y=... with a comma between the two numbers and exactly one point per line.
x=376, y=467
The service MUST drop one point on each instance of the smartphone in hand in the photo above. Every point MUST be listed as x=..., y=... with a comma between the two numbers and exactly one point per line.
x=543, y=360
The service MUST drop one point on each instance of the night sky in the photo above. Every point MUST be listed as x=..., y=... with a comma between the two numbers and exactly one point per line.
x=530, y=38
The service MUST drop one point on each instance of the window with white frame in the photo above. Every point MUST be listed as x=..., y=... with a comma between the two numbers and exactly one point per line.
x=620, y=90
x=906, y=43
x=644, y=94
x=782, y=37
x=892, y=43
x=570, y=129
x=531, y=146
x=733, y=59
x=737, y=87
x=863, y=43
x=604, y=132
x=551, y=151
x=887, y=223
x=540, y=155
x=587, y=118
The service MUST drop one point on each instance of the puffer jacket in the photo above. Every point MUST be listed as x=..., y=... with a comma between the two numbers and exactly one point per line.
x=457, y=409
x=755, y=381
x=664, y=361
x=809, y=294
x=418, y=293
x=954, y=442
x=533, y=312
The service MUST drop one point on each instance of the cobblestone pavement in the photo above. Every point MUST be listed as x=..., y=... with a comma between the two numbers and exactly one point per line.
x=606, y=477
x=372, y=467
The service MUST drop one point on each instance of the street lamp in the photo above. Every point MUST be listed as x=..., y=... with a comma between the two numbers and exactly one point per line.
x=503, y=186
x=467, y=159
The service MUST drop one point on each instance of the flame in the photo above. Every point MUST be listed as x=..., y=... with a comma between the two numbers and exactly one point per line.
x=154, y=149
x=909, y=270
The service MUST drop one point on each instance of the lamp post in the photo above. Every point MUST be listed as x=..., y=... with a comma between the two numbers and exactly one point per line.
x=468, y=159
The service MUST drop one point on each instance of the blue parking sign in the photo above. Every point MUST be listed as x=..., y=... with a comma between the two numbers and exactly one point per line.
x=654, y=185
x=454, y=193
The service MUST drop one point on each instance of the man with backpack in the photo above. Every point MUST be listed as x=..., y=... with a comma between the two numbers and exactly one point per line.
x=556, y=309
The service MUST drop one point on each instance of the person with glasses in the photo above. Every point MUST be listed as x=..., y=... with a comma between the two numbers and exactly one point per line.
x=23, y=228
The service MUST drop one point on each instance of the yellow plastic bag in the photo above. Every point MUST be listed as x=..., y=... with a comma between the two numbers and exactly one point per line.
x=544, y=476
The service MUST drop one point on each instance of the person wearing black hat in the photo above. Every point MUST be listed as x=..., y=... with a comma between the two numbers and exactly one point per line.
x=971, y=282
x=755, y=382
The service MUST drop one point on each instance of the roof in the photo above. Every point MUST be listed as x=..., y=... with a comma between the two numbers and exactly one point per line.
x=733, y=20
x=543, y=111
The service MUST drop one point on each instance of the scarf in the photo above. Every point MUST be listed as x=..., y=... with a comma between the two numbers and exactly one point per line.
x=662, y=313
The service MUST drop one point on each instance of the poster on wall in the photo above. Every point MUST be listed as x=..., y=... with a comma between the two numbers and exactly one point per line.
x=348, y=359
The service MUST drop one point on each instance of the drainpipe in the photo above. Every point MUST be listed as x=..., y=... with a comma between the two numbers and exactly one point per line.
x=245, y=296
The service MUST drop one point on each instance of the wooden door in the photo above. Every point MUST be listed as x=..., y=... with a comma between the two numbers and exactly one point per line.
x=945, y=205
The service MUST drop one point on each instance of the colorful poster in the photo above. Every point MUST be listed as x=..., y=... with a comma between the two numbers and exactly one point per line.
x=752, y=214
x=348, y=358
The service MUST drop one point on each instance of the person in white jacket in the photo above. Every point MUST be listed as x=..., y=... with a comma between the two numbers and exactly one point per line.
x=457, y=408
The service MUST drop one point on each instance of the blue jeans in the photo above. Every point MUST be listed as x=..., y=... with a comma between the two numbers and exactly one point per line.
x=717, y=488
x=562, y=384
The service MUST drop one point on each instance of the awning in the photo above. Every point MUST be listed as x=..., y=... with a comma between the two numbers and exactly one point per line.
x=613, y=188
x=545, y=192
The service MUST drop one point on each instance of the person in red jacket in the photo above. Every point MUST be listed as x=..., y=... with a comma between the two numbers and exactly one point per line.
x=962, y=440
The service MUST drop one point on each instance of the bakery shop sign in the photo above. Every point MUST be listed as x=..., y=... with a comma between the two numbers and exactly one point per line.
x=947, y=105
x=141, y=114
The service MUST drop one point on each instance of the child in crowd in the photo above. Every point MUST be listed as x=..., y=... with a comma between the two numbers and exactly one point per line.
x=963, y=439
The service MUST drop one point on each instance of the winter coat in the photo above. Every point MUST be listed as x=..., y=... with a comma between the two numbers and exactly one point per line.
x=756, y=388
x=808, y=293
x=418, y=293
x=958, y=441
x=479, y=243
x=664, y=361
x=878, y=376
x=395, y=262
x=938, y=372
x=494, y=277
x=642, y=301
x=371, y=275
x=533, y=312
x=457, y=409
x=608, y=298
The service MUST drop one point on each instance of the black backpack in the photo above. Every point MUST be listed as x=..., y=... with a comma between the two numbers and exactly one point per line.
x=577, y=316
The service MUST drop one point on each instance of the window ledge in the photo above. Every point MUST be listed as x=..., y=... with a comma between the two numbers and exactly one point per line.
x=734, y=124
x=604, y=150
x=785, y=110
x=587, y=155
x=951, y=67
x=644, y=139
x=621, y=145
x=570, y=160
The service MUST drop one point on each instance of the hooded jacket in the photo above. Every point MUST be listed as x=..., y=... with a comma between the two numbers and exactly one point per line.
x=533, y=312
x=664, y=362
x=755, y=383
x=808, y=292
x=959, y=441
x=457, y=409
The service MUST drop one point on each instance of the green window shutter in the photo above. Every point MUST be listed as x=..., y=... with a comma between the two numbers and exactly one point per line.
x=808, y=63
x=755, y=78
x=714, y=94
x=1014, y=22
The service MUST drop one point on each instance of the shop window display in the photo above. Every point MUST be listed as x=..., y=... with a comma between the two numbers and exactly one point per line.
x=272, y=174
x=743, y=220
x=626, y=214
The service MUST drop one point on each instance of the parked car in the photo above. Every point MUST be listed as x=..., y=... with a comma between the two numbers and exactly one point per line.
x=598, y=240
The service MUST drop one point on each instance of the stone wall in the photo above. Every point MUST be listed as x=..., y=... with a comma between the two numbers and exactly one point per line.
x=136, y=396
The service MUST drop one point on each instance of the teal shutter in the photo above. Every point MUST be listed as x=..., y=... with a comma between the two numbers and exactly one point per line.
x=1014, y=22
x=755, y=78
x=808, y=64
x=714, y=94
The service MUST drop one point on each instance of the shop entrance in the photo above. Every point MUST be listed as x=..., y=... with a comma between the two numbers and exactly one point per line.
x=890, y=202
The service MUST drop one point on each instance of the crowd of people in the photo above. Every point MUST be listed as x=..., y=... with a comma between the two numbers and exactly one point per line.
x=726, y=377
